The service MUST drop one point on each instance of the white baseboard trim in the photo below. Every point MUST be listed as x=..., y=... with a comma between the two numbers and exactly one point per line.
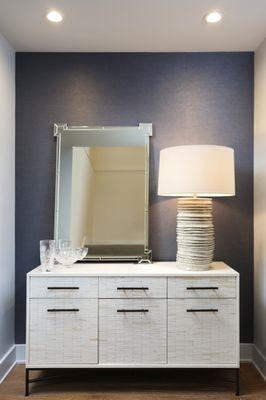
x=246, y=350
x=20, y=353
x=16, y=355
x=259, y=361
x=7, y=362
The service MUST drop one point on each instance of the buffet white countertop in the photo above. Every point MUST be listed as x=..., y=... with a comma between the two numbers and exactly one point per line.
x=161, y=268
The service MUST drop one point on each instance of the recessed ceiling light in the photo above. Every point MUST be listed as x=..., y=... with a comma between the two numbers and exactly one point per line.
x=213, y=17
x=54, y=16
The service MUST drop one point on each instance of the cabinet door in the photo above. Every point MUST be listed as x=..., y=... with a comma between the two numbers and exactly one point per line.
x=132, y=331
x=63, y=331
x=202, y=331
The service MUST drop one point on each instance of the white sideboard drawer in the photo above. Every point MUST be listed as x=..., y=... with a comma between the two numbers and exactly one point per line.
x=132, y=287
x=201, y=287
x=63, y=287
x=63, y=331
x=132, y=331
x=198, y=336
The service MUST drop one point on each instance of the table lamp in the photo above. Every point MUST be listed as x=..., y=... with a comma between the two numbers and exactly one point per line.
x=195, y=174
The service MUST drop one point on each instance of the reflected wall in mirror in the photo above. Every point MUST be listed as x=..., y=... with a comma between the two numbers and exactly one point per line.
x=102, y=187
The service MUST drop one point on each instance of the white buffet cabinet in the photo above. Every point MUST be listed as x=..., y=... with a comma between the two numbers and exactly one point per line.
x=130, y=315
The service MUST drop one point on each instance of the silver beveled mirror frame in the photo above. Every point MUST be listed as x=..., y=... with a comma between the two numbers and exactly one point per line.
x=143, y=128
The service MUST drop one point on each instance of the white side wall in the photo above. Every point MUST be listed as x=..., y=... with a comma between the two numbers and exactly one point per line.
x=7, y=201
x=81, y=216
x=119, y=195
x=260, y=208
x=119, y=207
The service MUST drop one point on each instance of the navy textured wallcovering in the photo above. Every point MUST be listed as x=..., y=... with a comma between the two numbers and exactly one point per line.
x=191, y=98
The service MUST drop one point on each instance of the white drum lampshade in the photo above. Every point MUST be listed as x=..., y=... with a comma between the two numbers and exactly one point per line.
x=197, y=173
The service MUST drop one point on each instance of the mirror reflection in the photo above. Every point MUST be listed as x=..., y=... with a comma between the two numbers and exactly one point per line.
x=107, y=196
x=102, y=193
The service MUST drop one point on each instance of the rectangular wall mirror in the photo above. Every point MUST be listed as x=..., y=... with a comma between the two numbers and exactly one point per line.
x=102, y=190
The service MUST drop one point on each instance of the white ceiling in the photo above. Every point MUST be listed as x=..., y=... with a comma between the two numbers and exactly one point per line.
x=133, y=25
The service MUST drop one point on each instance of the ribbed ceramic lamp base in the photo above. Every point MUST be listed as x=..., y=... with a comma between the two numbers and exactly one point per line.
x=195, y=233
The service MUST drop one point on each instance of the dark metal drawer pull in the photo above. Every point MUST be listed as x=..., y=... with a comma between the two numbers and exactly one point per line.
x=202, y=288
x=62, y=310
x=132, y=288
x=202, y=310
x=63, y=288
x=141, y=310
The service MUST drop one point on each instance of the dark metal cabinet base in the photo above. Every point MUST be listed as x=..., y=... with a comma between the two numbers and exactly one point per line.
x=28, y=381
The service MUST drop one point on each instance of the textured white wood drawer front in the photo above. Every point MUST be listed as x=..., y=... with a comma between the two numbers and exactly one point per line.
x=197, y=287
x=132, y=287
x=132, y=331
x=198, y=336
x=63, y=331
x=63, y=287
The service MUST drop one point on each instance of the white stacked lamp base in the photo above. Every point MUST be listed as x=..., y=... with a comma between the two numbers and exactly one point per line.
x=195, y=234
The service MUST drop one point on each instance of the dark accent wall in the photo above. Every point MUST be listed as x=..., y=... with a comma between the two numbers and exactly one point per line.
x=191, y=98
